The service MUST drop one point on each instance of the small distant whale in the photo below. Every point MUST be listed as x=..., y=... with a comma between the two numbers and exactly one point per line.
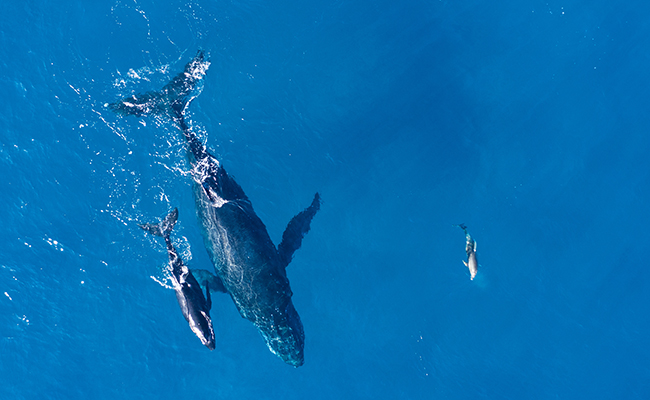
x=470, y=249
x=195, y=307
x=247, y=263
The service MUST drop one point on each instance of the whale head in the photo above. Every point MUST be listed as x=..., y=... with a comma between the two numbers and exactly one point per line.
x=284, y=335
x=201, y=325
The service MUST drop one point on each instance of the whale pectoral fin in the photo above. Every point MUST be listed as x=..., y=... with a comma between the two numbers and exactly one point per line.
x=465, y=263
x=207, y=279
x=208, y=299
x=296, y=230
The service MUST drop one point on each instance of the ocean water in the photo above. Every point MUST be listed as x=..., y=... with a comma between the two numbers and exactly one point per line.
x=527, y=121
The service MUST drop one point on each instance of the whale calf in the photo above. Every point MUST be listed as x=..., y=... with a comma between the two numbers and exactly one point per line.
x=470, y=249
x=249, y=266
x=195, y=307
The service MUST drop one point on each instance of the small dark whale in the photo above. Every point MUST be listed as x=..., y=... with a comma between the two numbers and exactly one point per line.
x=470, y=249
x=195, y=307
x=249, y=266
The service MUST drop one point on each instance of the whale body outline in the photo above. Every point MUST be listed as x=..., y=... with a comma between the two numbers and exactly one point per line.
x=248, y=265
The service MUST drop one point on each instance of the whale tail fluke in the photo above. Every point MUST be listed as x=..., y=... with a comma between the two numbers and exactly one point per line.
x=296, y=231
x=173, y=98
x=462, y=226
x=164, y=228
x=138, y=105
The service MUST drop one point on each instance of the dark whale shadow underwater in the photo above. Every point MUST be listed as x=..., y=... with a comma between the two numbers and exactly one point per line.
x=248, y=266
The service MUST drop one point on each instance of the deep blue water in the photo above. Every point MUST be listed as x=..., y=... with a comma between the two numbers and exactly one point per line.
x=527, y=121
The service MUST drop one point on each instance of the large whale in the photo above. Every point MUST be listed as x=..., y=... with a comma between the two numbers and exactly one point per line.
x=195, y=307
x=250, y=267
